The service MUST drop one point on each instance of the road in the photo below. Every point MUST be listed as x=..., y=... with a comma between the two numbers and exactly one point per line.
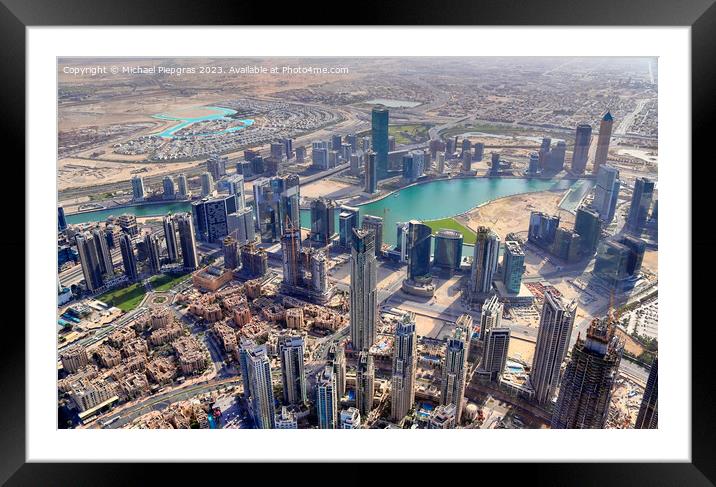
x=160, y=401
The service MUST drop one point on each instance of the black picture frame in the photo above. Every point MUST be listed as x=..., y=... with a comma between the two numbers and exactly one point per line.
x=700, y=15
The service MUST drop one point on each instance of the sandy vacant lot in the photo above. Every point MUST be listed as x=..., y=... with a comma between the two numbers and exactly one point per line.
x=521, y=350
x=74, y=173
x=512, y=213
x=326, y=187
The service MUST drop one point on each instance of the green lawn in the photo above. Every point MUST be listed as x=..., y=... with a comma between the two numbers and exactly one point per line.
x=126, y=298
x=164, y=282
x=409, y=134
x=452, y=224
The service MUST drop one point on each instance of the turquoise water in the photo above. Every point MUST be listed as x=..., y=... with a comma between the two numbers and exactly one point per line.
x=429, y=201
x=221, y=113
x=136, y=210
x=445, y=198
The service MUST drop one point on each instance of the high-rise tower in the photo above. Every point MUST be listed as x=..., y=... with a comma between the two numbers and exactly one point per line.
x=187, y=240
x=555, y=330
x=402, y=383
x=379, y=139
x=365, y=383
x=586, y=387
x=363, y=293
x=452, y=387
x=484, y=263
x=292, y=370
x=582, y=140
x=648, y=417
x=170, y=237
x=605, y=133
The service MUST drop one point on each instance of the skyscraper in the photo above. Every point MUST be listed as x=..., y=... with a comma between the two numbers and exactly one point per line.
x=207, y=184
x=513, y=264
x=379, y=139
x=365, y=383
x=231, y=253
x=276, y=202
x=183, y=187
x=375, y=225
x=151, y=243
x=371, y=172
x=363, y=293
x=168, y=185
x=129, y=260
x=326, y=399
x=419, y=235
x=452, y=387
x=170, y=237
x=61, y=220
x=322, y=220
x=605, y=133
x=292, y=370
x=640, y=204
x=347, y=221
x=494, y=357
x=262, y=407
x=582, y=140
x=103, y=253
x=555, y=330
x=187, y=240
x=402, y=383
x=490, y=316
x=484, y=263
x=448, y=250
x=211, y=217
x=290, y=252
x=588, y=225
x=89, y=260
x=586, y=387
x=337, y=358
x=648, y=417
x=137, y=188
x=606, y=193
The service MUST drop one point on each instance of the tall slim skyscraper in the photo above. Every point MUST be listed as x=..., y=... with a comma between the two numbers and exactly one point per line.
x=365, y=383
x=347, y=221
x=452, y=387
x=187, y=240
x=484, y=263
x=137, y=188
x=207, y=184
x=419, y=236
x=648, y=417
x=170, y=237
x=151, y=243
x=513, y=264
x=61, y=220
x=89, y=260
x=491, y=315
x=231, y=253
x=605, y=133
x=262, y=407
x=337, y=358
x=402, y=383
x=555, y=330
x=363, y=293
x=494, y=357
x=379, y=139
x=371, y=172
x=182, y=186
x=129, y=260
x=103, y=253
x=588, y=225
x=586, y=387
x=327, y=399
x=582, y=140
x=322, y=220
x=606, y=193
x=292, y=370
x=168, y=185
x=640, y=204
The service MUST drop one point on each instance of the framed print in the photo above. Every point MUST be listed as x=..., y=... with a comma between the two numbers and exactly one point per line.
x=444, y=236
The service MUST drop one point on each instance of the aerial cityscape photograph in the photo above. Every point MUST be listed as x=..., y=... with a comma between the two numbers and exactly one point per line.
x=357, y=243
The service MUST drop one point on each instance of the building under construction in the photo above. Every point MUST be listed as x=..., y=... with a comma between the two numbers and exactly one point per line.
x=586, y=387
x=305, y=270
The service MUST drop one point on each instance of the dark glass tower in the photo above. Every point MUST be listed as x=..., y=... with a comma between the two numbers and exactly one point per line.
x=640, y=204
x=129, y=260
x=419, y=250
x=582, y=140
x=379, y=139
